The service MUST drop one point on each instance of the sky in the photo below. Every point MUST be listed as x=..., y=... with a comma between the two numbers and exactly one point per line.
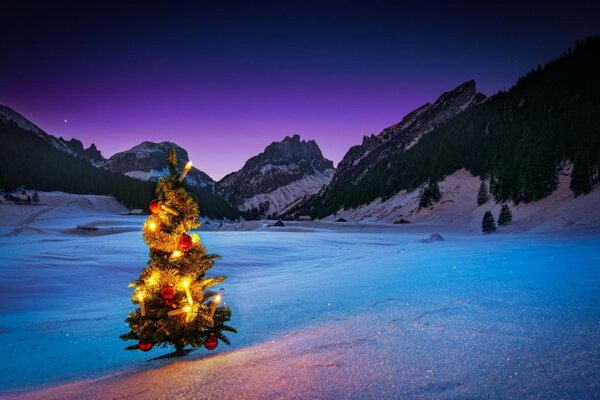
x=223, y=79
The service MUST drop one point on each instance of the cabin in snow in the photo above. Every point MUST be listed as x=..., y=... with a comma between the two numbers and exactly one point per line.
x=304, y=218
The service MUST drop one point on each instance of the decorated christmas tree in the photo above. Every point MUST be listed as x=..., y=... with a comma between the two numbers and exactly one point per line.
x=175, y=304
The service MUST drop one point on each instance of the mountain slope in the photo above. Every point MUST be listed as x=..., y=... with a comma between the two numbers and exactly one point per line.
x=405, y=134
x=35, y=159
x=148, y=160
x=520, y=138
x=73, y=147
x=272, y=180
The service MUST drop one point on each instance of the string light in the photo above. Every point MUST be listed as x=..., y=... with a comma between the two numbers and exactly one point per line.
x=151, y=226
x=182, y=310
x=216, y=302
x=175, y=255
x=186, y=169
x=140, y=297
x=186, y=285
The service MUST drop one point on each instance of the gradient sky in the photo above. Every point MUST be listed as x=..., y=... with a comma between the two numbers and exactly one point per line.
x=223, y=79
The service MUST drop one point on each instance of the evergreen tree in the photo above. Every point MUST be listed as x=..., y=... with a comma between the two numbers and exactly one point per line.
x=36, y=197
x=176, y=306
x=483, y=195
x=505, y=216
x=488, y=224
x=429, y=194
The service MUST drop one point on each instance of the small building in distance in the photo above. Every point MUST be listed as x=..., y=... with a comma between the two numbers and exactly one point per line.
x=304, y=218
x=340, y=220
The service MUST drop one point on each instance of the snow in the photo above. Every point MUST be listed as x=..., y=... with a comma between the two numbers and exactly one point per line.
x=329, y=310
x=458, y=208
x=147, y=175
x=284, y=196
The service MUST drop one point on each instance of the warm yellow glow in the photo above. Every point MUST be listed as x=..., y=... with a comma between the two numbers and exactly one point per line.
x=195, y=238
x=153, y=280
x=188, y=293
x=186, y=169
x=216, y=302
x=187, y=308
x=151, y=226
x=176, y=254
x=140, y=297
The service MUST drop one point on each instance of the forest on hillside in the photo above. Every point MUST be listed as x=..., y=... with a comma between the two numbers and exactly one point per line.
x=519, y=139
x=29, y=161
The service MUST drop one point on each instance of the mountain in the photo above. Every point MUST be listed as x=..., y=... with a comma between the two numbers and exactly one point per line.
x=148, y=161
x=32, y=158
x=402, y=136
x=271, y=181
x=73, y=147
x=520, y=140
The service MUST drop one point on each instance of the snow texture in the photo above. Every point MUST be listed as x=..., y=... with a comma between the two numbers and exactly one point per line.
x=324, y=310
x=284, y=196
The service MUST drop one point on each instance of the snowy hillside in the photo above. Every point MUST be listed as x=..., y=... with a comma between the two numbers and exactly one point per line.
x=276, y=201
x=148, y=161
x=458, y=208
x=278, y=177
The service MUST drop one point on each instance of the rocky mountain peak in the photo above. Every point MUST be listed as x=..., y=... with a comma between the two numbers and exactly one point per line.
x=280, y=164
x=148, y=160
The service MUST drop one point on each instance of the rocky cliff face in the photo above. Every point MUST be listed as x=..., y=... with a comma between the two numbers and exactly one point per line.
x=148, y=160
x=286, y=170
x=406, y=133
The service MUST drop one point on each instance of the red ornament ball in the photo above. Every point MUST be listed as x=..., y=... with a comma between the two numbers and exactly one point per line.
x=211, y=342
x=154, y=206
x=185, y=242
x=167, y=292
x=145, y=346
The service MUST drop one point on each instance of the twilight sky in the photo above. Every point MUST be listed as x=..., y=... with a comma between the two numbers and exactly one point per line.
x=223, y=79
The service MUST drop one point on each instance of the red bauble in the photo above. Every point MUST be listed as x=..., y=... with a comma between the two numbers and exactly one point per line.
x=145, y=346
x=167, y=292
x=185, y=242
x=155, y=206
x=211, y=342
x=155, y=250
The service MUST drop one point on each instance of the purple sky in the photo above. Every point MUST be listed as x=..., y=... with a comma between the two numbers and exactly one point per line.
x=224, y=81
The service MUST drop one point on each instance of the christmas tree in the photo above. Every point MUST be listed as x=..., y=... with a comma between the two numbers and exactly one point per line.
x=488, y=223
x=175, y=304
x=505, y=216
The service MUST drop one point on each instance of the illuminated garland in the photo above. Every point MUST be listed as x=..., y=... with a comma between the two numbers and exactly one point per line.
x=176, y=306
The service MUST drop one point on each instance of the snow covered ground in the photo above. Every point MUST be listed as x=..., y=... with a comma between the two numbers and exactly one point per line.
x=323, y=311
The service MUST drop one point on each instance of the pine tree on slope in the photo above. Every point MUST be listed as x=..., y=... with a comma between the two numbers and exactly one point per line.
x=488, y=224
x=505, y=216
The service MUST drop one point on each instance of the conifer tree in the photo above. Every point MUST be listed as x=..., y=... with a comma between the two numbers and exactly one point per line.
x=488, y=224
x=429, y=194
x=176, y=305
x=483, y=195
x=505, y=216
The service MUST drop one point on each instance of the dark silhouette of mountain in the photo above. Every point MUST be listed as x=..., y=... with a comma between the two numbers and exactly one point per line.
x=520, y=139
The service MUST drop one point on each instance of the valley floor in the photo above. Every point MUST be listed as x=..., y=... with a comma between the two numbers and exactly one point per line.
x=323, y=310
